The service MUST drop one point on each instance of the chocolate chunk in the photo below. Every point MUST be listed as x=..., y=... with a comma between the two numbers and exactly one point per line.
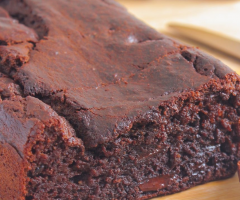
x=155, y=184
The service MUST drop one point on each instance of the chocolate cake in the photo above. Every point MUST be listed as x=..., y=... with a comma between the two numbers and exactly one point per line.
x=97, y=105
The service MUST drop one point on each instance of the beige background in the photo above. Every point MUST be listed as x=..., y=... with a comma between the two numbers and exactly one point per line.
x=157, y=13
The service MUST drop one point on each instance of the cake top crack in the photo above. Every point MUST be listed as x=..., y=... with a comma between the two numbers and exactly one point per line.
x=100, y=68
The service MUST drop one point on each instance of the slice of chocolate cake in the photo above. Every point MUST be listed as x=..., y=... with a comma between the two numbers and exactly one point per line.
x=97, y=105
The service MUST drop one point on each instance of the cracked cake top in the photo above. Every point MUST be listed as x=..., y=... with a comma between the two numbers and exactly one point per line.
x=100, y=68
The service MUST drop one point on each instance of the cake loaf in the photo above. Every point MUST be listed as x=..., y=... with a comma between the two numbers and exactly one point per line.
x=95, y=104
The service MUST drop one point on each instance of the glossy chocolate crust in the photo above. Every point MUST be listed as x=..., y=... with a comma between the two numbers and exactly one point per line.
x=95, y=77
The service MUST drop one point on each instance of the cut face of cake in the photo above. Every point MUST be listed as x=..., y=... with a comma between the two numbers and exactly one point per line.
x=97, y=105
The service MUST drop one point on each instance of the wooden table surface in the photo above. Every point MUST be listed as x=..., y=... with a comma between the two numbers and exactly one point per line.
x=157, y=13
